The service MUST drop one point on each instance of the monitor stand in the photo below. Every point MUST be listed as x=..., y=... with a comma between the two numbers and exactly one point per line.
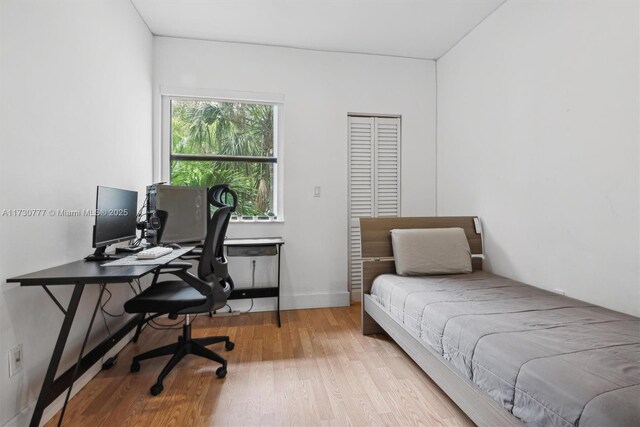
x=100, y=255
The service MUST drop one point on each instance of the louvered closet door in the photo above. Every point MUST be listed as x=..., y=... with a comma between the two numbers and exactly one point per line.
x=374, y=179
x=387, y=167
x=361, y=188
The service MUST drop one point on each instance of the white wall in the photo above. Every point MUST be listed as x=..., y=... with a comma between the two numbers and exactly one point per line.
x=75, y=112
x=538, y=134
x=320, y=88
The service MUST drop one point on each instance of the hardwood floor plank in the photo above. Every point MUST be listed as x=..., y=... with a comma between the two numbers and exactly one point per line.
x=317, y=369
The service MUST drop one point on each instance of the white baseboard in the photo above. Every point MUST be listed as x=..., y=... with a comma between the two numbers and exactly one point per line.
x=292, y=302
x=24, y=416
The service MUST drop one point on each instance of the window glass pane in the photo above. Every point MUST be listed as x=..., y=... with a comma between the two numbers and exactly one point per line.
x=207, y=127
x=252, y=181
x=224, y=128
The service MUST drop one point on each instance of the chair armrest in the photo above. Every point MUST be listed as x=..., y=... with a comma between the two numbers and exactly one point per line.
x=195, y=282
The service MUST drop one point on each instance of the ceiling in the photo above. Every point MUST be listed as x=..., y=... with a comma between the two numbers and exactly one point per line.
x=423, y=29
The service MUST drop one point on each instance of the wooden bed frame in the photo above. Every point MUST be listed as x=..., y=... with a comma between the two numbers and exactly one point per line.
x=377, y=255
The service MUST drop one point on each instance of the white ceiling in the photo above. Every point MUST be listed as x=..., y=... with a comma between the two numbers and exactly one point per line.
x=411, y=28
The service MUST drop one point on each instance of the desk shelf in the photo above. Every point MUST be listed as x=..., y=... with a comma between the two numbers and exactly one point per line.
x=262, y=292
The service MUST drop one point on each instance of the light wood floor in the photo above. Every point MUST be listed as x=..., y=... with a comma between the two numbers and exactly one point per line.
x=315, y=370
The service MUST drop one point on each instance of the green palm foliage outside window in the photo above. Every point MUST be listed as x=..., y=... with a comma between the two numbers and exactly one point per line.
x=226, y=143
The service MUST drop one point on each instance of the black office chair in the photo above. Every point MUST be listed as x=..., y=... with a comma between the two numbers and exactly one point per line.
x=218, y=196
x=190, y=295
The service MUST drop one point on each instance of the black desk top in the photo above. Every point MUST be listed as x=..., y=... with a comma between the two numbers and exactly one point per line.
x=83, y=272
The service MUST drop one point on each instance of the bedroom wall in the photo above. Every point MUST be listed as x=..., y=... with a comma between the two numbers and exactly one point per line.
x=320, y=88
x=538, y=134
x=75, y=112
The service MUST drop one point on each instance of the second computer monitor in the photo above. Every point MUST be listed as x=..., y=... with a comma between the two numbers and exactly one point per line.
x=188, y=211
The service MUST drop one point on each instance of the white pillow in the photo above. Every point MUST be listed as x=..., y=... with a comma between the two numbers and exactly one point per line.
x=425, y=251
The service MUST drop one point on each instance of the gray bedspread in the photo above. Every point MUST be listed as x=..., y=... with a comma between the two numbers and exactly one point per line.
x=548, y=359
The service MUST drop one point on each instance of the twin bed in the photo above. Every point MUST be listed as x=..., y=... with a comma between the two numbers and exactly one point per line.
x=507, y=353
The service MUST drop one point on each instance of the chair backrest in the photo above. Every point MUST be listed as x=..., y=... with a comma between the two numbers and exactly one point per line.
x=218, y=196
x=212, y=267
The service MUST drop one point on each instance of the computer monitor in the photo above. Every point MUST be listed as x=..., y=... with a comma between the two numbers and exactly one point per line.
x=188, y=212
x=115, y=219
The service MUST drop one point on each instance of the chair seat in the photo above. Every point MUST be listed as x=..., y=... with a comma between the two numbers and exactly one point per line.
x=172, y=296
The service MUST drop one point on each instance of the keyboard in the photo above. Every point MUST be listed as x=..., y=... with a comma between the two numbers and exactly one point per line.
x=153, y=253
x=132, y=260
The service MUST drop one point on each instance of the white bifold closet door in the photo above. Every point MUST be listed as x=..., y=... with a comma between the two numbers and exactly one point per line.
x=374, y=179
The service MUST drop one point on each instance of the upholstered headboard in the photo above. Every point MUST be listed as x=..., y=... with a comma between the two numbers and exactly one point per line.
x=377, y=252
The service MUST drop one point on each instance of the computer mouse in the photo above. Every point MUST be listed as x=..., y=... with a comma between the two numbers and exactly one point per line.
x=172, y=246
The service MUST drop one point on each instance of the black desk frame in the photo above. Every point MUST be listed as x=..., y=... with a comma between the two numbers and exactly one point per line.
x=261, y=292
x=53, y=387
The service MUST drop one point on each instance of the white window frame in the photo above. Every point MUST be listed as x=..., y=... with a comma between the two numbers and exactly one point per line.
x=167, y=94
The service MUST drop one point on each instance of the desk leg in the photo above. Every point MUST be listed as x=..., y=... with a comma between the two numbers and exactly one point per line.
x=278, y=299
x=57, y=355
x=74, y=376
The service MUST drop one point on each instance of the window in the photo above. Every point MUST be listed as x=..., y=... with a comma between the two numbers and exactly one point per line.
x=226, y=142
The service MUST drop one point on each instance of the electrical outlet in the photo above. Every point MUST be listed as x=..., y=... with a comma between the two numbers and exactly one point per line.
x=16, y=359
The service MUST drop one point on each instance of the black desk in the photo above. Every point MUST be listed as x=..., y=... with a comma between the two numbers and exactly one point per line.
x=256, y=247
x=78, y=274
x=85, y=272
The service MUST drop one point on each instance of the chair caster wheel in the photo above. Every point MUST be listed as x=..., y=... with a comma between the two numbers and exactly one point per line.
x=229, y=346
x=156, y=389
x=221, y=372
x=135, y=367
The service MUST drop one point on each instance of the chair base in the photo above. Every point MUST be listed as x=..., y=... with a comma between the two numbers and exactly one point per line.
x=185, y=345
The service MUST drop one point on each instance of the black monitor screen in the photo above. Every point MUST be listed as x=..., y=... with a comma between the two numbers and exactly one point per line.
x=115, y=216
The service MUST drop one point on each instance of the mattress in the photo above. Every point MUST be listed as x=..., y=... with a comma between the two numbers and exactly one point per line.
x=548, y=359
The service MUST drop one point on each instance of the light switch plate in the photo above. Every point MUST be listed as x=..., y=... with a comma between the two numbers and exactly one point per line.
x=316, y=191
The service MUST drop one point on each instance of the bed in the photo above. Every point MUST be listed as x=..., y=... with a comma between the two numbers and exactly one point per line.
x=507, y=353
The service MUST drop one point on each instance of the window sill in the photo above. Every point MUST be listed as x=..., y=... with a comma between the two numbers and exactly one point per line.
x=256, y=221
